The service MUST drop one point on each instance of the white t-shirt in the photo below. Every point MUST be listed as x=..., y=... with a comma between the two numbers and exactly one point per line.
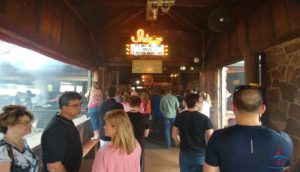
x=205, y=109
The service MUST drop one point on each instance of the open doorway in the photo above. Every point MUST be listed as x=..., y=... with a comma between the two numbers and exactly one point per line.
x=232, y=75
x=36, y=81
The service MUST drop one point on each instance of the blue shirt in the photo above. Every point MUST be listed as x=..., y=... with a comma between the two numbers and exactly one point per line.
x=248, y=149
x=156, y=106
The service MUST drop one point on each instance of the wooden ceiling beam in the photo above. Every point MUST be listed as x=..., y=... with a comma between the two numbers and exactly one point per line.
x=183, y=21
x=120, y=18
x=101, y=12
x=197, y=13
x=175, y=19
x=198, y=19
x=179, y=3
x=84, y=22
x=77, y=14
x=131, y=18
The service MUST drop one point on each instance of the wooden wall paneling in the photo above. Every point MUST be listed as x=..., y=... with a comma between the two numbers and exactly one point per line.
x=83, y=40
x=14, y=32
x=69, y=35
x=197, y=47
x=23, y=12
x=241, y=36
x=83, y=43
x=79, y=39
x=211, y=55
x=280, y=18
x=234, y=42
x=111, y=46
x=260, y=27
x=294, y=16
x=254, y=39
x=223, y=47
x=51, y=20
x=267, y=26
x=2, y=5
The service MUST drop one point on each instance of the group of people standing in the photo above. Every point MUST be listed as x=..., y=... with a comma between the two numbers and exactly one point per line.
x=119, y=130
x=246, y=146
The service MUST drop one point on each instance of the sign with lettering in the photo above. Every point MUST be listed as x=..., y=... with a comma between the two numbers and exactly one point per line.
x=147, y=66
x=143, y=44
x=147, y=49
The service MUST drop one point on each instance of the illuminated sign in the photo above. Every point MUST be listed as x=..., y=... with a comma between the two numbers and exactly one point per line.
x=147, y=66
x=143, y=44
x=142, y=38
x=147, y=49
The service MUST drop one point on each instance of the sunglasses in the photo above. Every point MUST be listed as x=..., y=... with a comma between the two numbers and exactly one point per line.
x=253, y=86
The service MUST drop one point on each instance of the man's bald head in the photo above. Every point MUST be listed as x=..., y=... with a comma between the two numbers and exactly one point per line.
x=248, y=100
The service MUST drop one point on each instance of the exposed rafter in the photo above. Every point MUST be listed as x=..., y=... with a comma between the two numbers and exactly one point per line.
x=83, y=21
x=130, y=18
x=121, y=17
x=77, y=14
x=179, y=3
x=183, y=21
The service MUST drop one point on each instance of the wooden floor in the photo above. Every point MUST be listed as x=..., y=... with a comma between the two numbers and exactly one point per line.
x=162, y=160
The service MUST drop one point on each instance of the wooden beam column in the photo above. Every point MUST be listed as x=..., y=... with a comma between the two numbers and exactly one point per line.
x=251, y=66
x=98, y=75
x=117, y=78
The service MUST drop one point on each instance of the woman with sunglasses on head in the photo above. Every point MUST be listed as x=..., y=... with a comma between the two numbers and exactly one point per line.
x=123, y=153
x=15, y=154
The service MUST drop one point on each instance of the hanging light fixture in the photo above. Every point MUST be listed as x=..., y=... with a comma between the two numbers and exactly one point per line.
x=153, y=7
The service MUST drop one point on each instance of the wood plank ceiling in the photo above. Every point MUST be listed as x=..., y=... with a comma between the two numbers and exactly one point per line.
x=113, y=22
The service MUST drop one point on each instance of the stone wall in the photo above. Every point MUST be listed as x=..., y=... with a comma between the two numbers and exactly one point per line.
x=282, y=91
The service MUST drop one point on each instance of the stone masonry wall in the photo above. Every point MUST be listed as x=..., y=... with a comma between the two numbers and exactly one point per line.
x=282, y=93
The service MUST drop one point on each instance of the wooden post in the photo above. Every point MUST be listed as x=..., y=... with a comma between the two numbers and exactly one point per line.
x=251, y=67
x=95, y=76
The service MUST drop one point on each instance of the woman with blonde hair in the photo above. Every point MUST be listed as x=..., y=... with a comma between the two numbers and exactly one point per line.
x=145, y=107
x=206, y=104
x=94, y=96
x=124, y=152
x=15, y=154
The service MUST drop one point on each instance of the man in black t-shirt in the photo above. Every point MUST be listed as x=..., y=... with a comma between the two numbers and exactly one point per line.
x=61, y=145
x=191, y=130
x=248, y=146
x=109, y=104
x=140, y=123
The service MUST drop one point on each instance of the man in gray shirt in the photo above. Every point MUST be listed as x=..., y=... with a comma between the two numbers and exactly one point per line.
x=169, y=105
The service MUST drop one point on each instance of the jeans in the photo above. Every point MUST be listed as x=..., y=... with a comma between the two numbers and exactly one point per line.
x=94, y=117
x=190, y=163
x=168, y=123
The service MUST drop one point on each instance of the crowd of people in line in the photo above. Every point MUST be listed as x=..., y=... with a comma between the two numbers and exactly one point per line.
x=122, y=122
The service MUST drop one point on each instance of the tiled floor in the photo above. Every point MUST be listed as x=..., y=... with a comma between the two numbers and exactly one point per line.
x=162, y=160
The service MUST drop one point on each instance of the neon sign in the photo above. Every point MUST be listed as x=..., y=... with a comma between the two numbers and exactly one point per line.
x=143, y=44
x=142, y=38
